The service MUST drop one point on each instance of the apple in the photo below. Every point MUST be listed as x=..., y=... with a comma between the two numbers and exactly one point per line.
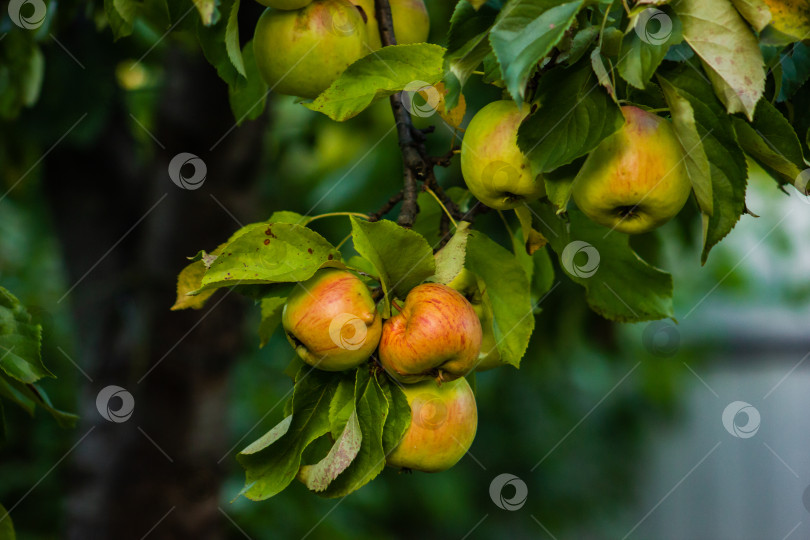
x=331, y=320
x=494, y=168
x=436, y=335
x=444, y=419
x=489, y=357
x=301, y=52
x=284, y=4
x=411, y=21
x=635, y=180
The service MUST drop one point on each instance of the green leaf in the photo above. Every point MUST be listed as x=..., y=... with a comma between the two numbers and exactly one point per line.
x=248, y=97
x=771, y=141
x=756, y=12
x=525, y=32
x=342, y=405
x=399, y=414
x=272, y=305
x=371, y=410
x=728, y=49
x=379, y=75
x=450, y=259
x=20, y=397
x=270, y=253
x=343, y=452
x=220, y=46
x=686, y=130
x=574, y=116
x=507, y=286
x=795, y=70
x=232, y=39
x=28, y=396
x=467, y=44
x=20, y=341
x=6, y=525
x=121, y=16
x=285, y=216
x=727, y=163
x=403, y=258
x=273, y=460
x=543, y=276
x=618, y=284
x=63, y=419
x=639, y=58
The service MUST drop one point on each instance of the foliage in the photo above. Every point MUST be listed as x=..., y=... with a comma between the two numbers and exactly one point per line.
x=702, y=63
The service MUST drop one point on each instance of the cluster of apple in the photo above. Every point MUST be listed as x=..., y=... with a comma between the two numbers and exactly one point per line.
x=434, y=340
x=302, y=46
x=634, y=181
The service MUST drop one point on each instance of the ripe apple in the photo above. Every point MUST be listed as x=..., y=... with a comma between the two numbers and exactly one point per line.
x=444, y=419
x=284, y=4
x=495, y=169
x=635, y=180
x=301, y=52
x=437, y=335
x=332, y=321
x=411, y=21
x=489, y=357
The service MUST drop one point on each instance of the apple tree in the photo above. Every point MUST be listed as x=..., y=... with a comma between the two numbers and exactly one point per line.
x=612, y=118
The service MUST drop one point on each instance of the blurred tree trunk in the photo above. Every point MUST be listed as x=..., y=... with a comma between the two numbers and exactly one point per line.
x=161, y=468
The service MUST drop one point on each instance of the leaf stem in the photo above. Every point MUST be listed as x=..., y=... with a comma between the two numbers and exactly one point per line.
x=438, y=200
x=604, y=22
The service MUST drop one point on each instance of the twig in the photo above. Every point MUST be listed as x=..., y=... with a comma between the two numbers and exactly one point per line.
x=392, y=202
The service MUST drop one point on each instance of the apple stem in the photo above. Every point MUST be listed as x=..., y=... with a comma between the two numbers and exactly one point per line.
x=397, y=306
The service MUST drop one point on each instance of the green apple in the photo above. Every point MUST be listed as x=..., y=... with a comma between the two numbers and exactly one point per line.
x=494, y=168
x=436, y=335
x=489, y=357
x=284, y=4
x=411, y=21
x=444, y=419
x=301, y=52
x=635, y=180
x=332, y=321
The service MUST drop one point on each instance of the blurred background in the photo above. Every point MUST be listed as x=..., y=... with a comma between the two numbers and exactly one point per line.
x=689, y=431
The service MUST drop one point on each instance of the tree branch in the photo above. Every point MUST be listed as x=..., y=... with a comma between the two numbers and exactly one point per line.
x=413, y=162
x=392, y=202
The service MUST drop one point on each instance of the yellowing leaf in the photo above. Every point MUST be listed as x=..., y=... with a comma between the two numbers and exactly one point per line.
x=190, y=279
x=755, y=12
x=728, y=49
x=208, y=11
x=454, y=116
